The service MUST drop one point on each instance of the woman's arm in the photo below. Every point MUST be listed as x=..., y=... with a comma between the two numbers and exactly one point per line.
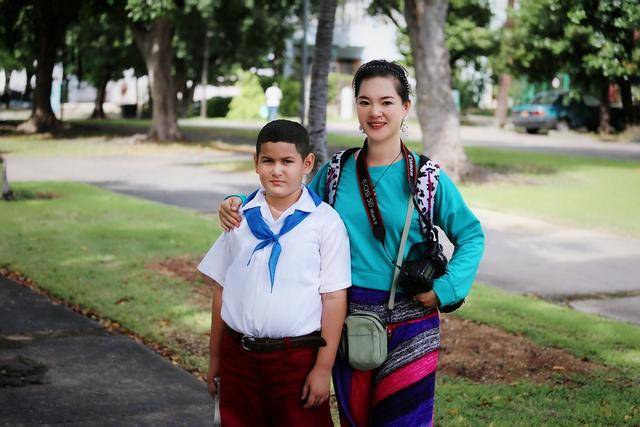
x=465, y=232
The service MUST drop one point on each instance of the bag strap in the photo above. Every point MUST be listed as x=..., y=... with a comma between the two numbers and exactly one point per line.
x=333, y=173
x=403, y=241
x=428, y=179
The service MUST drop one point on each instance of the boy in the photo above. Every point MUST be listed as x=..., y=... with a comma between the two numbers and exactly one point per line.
x=279, y=300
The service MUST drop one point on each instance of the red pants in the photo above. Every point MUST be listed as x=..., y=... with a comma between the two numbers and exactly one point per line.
x=264, y=389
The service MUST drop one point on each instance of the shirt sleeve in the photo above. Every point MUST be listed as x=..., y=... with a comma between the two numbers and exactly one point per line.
x=218, y=260
x=465, y=232
x=335, y=256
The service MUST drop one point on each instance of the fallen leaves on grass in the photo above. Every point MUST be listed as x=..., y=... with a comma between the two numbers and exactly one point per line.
x=487, y=354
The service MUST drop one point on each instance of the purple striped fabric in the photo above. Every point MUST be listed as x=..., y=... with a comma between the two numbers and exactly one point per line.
x=411, y=330
x=413, y=338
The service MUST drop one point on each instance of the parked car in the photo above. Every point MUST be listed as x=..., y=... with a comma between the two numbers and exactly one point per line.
x=555, y=110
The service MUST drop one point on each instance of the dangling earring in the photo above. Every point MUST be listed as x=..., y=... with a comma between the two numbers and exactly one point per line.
x=404, y=128
x=360, y=127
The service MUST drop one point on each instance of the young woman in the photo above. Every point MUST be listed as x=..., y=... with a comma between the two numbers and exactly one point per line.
x=401, y=391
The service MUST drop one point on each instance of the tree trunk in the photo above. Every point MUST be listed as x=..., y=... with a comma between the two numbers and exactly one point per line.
x=503, y=100
x=42, y=117
x=437, y=111
x=502, y=109
x=627, y=102
x=187, y=95
x=156, y=48
x=605, y=117
x=6, y=96
x=98, y=111
x=320, y=81
x=26, y=96
x=7, y=193
x=204, y=78
x=51, y=19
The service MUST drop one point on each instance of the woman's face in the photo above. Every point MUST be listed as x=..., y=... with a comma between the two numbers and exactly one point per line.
x=380, y=109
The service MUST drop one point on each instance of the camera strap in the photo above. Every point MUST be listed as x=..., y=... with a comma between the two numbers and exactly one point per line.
x=403, y=241
x=370, y=202
x=368, y=192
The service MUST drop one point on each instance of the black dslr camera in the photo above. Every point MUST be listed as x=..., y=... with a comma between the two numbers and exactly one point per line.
x=425, y=263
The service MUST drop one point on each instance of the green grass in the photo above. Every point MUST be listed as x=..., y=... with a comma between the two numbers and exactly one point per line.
x=93, y=248
x=596, y=338
x=600, y=401
x=587, y=192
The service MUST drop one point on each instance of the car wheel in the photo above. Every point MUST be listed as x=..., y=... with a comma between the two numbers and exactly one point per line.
x=532, y=131
x=563, y=126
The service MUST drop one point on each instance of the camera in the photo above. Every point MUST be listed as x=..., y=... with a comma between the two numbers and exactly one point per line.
x=424, y=263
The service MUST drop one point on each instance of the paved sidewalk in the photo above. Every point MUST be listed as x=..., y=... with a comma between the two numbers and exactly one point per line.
x=91, y=377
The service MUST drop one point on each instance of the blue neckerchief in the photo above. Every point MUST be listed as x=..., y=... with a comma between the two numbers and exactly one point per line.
x=262, y=232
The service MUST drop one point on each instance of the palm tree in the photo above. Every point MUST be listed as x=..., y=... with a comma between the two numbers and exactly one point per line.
x=320, y=81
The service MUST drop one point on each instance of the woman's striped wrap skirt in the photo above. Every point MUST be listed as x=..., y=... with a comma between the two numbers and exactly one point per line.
x=401, y=391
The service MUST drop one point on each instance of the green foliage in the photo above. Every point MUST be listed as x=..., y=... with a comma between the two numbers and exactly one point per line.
x=336, y=82
x=247, y=104
x=290, y=104
x=218, y=106
x=100, y=45
x=591, y=41
x=468, y=36
x=148, y=11
x=470, y=89
x=469, y=40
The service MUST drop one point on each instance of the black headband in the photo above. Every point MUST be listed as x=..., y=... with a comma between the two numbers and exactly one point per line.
x=396, y=69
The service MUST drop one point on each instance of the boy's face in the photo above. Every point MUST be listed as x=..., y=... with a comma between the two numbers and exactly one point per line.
x=281, y=168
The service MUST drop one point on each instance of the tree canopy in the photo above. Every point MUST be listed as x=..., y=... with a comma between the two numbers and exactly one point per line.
x=595, y=42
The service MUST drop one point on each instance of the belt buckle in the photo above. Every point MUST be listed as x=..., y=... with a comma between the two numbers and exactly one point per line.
x=247, y=340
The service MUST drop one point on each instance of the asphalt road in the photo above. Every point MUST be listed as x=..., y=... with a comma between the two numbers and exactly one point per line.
x=58, y=367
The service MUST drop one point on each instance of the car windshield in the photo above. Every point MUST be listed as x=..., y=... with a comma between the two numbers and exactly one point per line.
x=545, y=98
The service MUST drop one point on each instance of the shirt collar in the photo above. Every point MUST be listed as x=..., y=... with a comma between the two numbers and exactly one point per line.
x=305, y=203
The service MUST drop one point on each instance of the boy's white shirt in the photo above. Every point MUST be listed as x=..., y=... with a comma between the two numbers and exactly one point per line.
x=315, y=259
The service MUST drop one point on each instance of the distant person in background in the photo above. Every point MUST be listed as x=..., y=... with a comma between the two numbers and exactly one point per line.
x=273, y=94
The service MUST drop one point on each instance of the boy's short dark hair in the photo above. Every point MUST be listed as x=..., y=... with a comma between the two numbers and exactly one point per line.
x=285, y=131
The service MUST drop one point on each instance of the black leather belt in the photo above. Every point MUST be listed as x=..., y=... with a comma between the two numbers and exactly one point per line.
x=266, y=345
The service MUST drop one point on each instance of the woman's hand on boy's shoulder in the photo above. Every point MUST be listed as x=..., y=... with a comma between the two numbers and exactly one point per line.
x=229, y=213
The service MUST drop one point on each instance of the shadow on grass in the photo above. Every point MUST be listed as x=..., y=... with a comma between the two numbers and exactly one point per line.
x=24, y=194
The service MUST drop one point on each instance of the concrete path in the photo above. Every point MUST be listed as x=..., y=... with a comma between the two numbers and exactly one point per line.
x=69, y=370
x=523, y=254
